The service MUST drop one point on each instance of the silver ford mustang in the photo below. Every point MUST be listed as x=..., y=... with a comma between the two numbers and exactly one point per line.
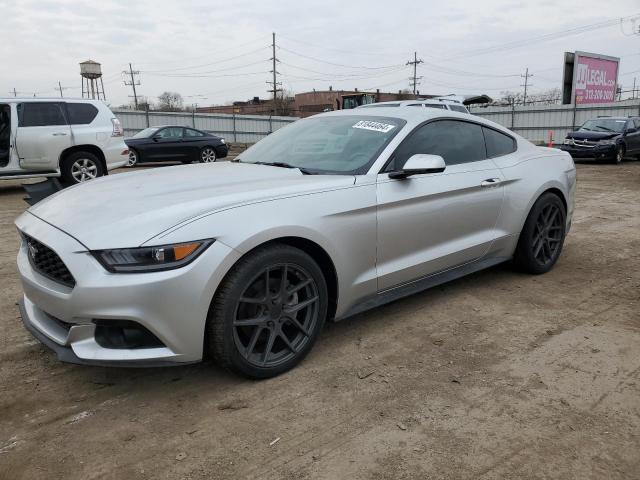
x=245, y=261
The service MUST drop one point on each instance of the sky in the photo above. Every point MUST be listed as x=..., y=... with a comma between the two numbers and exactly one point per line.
x=214, y=52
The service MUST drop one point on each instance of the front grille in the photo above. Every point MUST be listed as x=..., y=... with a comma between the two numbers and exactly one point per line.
x=584, y=142
x=48, y=263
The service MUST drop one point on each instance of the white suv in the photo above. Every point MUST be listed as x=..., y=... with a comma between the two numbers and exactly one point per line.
x=441, y=103
x=75, y=139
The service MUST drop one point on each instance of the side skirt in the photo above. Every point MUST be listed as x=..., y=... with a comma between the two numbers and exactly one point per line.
x=421, y=284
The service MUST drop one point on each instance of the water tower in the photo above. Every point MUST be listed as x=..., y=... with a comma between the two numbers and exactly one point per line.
x=91, y=72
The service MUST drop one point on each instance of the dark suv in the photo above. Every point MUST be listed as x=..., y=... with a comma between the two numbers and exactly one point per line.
x=606, y=138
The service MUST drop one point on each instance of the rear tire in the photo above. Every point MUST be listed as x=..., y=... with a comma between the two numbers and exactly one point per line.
x=80, y=167
x=542, y=236
x=259, y=326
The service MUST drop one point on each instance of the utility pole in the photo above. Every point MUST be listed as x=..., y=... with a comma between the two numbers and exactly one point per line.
x=132, y=83
x=15, y=94
x=60, y=87
x=633, y=93
x=415, y=62
x=526, y=77
x=274, y=83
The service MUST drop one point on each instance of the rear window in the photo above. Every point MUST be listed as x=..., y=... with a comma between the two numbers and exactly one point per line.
x=458, y=108
x=35, y=114
x=498, y=143
x=81, y=113
x=435, y=105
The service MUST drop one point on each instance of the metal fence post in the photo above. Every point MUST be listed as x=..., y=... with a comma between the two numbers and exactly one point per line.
x=270, y=125
x=235, y=139
x=146, y=113
x=193, y=118
x=513, y=113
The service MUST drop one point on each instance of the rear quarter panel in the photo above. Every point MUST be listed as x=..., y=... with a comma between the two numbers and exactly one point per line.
x=528, y=175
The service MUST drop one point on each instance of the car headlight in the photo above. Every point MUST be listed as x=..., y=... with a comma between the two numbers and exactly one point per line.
x=151, y=259
x=222, y=140
x=611, y=141
x=568, y=141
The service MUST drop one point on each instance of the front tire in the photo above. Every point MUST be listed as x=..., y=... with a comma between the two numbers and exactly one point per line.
x=542, y=236
x=620, y=152
x=80, y=167
x=133, y=158
x=208, y=155
x=268, y=312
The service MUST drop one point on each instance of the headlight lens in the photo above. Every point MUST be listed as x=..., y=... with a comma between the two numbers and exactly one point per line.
x=611, y=141
x=151, y=259
x=568, y=141
x=222, y=140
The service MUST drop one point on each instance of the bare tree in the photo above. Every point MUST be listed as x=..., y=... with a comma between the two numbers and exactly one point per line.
x=170, y=102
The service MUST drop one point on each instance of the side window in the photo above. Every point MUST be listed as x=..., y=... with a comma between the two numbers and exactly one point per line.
x=189, y=132
x=81, y=113
x=170, y=132
x=40, y=114
x=455, y=141
x=436, y=105
x=498, y=143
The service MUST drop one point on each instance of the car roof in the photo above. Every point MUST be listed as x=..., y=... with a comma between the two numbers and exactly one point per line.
x=48, y=99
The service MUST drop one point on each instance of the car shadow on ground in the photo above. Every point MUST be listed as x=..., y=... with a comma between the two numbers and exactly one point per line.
x=335, y=336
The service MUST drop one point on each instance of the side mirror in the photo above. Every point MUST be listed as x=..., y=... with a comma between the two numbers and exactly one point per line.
x=420, y=163
x=156, y=137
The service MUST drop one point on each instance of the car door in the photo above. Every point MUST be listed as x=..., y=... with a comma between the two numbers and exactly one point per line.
x=43, y=133
x=432, y=222
x=633, y=137
x=193, y=141
x=166, y=144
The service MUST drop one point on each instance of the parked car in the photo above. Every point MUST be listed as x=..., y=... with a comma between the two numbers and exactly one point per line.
x=175, y=143
x=605, y=138
x=77, y=140
x=440, y=103
x=323, y=219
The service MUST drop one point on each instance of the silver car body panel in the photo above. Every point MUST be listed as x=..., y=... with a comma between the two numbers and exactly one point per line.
x=386, y=238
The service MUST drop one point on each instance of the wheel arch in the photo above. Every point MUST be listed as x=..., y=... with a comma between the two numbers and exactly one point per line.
x=84, y=148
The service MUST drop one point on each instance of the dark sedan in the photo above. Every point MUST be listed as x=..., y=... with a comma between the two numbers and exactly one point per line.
x=174, y=143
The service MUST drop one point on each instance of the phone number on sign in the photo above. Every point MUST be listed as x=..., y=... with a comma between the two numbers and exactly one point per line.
x=589, y=95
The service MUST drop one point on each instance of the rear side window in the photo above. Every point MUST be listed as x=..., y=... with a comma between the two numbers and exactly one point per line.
x=81, y=113
x=458, y=108
x=435, y=105
x=188, y=132
x=457, y=142
x=43, y=114
x=498, y=143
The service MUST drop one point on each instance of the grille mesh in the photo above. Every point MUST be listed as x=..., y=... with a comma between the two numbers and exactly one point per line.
x=48, y=263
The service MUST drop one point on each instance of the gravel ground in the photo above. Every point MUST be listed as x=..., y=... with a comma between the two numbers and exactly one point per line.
x=498, y=375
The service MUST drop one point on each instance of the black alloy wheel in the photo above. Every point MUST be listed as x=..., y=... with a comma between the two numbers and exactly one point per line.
x=275, y=315
x=542, y=236
x=268, y=312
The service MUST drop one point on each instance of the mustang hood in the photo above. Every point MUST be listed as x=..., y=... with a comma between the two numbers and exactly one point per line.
x=125, y=210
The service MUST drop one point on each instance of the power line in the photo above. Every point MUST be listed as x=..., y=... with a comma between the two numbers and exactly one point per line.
x=354, y=67
x=261, y=49
x=189, y=74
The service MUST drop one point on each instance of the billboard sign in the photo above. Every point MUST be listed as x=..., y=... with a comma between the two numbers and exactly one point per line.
x=593, y=78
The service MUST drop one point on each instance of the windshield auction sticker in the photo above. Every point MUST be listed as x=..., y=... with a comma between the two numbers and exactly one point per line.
x=375, y=126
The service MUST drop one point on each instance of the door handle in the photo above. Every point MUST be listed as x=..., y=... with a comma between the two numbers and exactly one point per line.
x=491, y=182
x=58, y=134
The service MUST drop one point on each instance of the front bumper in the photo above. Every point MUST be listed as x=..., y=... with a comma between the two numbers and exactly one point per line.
x=222, y=150
x=172, y=305
x=599, y=151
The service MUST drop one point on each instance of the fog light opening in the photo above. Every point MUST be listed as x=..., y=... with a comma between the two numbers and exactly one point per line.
x=124, y=334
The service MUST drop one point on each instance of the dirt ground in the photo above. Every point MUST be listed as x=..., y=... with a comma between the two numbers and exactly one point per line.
x=499, y=375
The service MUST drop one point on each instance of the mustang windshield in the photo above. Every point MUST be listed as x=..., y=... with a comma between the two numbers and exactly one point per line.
x=327, y=145
x=604, y=125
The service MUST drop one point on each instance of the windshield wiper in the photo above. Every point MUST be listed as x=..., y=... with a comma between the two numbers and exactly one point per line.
x=604, y=128
x=284, y=165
